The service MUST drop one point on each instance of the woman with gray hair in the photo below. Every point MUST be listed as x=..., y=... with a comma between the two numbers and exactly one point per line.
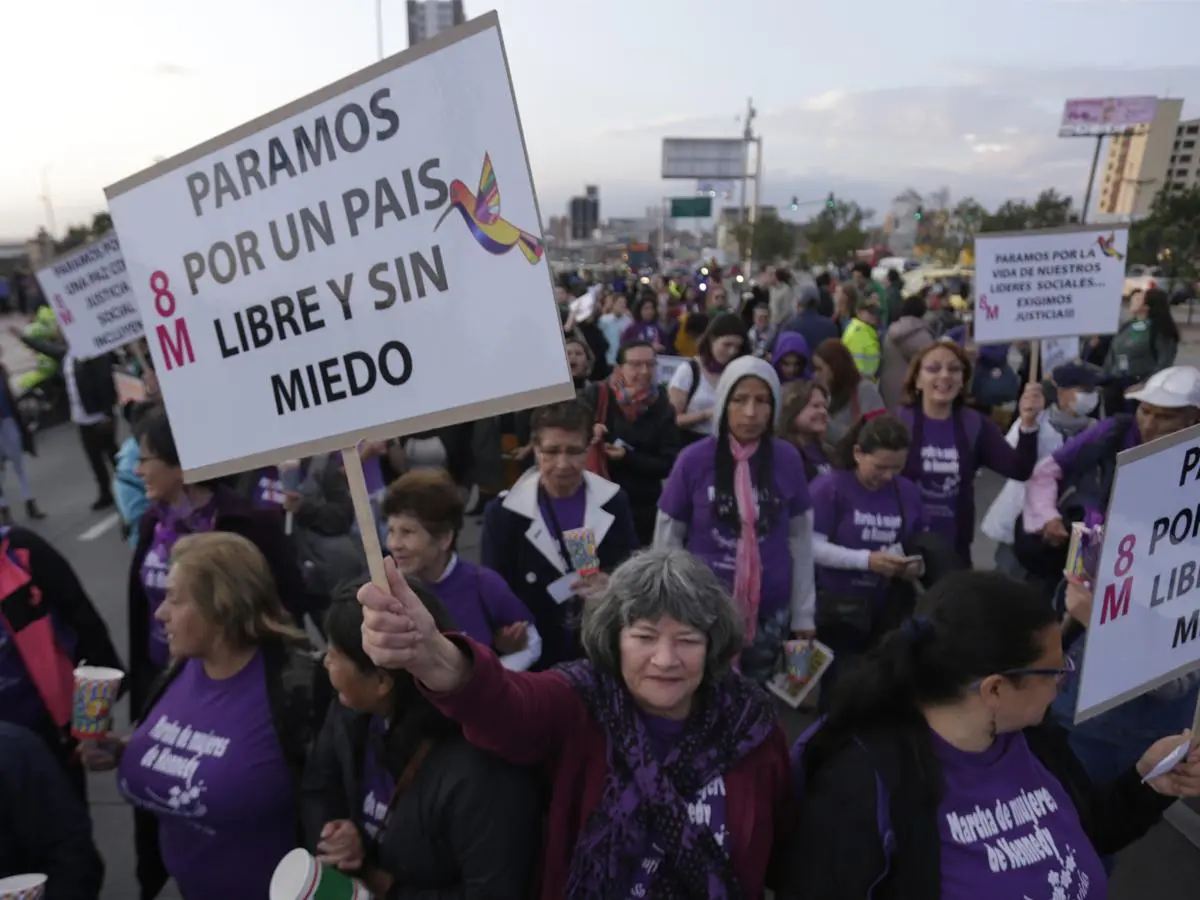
x=669, y=770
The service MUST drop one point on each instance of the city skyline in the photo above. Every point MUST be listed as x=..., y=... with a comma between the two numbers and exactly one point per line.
x=975, y=110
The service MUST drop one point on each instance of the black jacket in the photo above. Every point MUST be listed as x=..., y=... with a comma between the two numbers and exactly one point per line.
x=93, y=377
x=653, y=444
x=467, y=828
x=44, y=825
x=298, y=693
x=836, y=853
x=518, y=544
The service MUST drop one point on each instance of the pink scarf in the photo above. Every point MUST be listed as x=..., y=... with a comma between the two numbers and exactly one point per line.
x=747, y=576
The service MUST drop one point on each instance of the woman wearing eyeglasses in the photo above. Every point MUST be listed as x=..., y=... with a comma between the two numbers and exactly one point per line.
x=526, y=530
x=952, y=442
x=937, y=775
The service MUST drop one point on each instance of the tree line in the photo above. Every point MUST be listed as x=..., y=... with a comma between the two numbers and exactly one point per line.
x=937, y=228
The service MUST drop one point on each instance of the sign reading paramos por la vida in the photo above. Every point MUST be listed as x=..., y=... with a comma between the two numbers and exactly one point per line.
x=1145, y=627
x=88, y=288
x=1048, y=284
x=362, y=263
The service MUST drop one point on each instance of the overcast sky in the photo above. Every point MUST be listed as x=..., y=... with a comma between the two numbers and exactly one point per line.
x=862, y=97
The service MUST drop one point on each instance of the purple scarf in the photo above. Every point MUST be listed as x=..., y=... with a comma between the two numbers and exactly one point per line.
x=645, y=800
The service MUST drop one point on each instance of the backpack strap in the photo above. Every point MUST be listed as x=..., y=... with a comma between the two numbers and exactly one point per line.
x=696, y=376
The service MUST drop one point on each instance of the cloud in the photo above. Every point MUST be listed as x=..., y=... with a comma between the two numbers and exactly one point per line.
x=993, y=135
x=170, y=70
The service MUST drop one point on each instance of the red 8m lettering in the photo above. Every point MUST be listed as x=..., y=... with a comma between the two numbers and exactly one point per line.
x=173, y=348
x=1124, y=556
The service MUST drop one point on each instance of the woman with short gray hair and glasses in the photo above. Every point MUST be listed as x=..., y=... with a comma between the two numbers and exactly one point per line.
x=669, y=770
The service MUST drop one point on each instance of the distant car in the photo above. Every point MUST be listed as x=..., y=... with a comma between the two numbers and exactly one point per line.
x=1142, y=278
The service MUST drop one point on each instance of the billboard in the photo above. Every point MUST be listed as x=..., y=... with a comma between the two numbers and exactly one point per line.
x=1105, y=115
x=704, y=159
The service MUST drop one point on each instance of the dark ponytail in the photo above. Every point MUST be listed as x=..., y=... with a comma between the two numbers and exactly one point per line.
x=871, y=432
x=979, y=624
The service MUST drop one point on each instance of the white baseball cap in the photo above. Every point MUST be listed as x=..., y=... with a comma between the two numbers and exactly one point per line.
x=1171, y=388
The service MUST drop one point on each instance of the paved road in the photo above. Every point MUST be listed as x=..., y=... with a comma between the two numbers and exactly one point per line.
x=1163, y=865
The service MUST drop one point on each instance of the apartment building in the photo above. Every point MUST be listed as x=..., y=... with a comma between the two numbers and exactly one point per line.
x=1143, y=162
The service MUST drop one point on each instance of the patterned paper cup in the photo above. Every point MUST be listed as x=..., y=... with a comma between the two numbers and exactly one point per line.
x=301, y=877
x=581, y=545
x=23, y=887
x=95, y=693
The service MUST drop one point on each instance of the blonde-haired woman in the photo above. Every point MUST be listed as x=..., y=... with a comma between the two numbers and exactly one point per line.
x=217, y=755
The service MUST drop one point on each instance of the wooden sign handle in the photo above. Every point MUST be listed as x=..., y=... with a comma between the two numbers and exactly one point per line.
x=365, y=516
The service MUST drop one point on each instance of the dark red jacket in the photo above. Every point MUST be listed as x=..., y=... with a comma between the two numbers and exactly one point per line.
x=537, y=718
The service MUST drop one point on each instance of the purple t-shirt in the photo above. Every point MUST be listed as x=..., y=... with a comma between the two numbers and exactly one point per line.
x=688, y=497
x=852, y=516
x=567, y=512
x=707, y=807
x=941, y=477
x=207, y=762
x=378, y=783
x=480, y=601
x=373, y=476
x=1009, y=830
x=20, y=702
x=268, y=490
x=154, y=581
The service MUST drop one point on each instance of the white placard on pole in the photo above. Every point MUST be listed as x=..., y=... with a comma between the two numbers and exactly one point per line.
x=1058, y=352
x=91, y=295
x=1145, y=627
x=665, y=367
x=1041, y=284
x=364, y=262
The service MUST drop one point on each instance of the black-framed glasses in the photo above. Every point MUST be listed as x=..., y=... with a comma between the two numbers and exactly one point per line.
x=1059, y=675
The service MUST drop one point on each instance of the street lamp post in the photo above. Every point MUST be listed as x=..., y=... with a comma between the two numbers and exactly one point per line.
x=379, y=26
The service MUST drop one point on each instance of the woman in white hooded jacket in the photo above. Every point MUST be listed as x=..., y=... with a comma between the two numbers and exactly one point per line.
x=738, y=500
x=1077, y=399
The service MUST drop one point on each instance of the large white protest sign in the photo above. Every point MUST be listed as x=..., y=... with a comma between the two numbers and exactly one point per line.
x=1041, y=284
x=1145, y=627
x=90, y=293
x=363, y=262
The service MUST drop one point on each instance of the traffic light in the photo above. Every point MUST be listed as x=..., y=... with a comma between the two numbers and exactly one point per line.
x=795, y=203
x=920, y=212
x=829, y=202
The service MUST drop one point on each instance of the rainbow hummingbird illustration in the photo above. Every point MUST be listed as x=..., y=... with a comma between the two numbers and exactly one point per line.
x=481, y=212
x=1107, y=245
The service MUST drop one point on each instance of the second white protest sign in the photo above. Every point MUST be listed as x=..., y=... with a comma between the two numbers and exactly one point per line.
x=89, y=290
x=346, y=264
x=1053, y=283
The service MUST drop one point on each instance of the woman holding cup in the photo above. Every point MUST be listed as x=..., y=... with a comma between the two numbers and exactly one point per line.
x=393, y=794
x=219, y=749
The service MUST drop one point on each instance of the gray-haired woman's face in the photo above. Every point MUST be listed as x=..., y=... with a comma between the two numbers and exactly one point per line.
x=662, y=664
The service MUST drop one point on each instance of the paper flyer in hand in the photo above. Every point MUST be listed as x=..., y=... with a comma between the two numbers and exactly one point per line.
x=804, y=662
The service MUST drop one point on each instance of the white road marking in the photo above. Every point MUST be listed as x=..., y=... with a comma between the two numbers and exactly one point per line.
x=106, y=524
